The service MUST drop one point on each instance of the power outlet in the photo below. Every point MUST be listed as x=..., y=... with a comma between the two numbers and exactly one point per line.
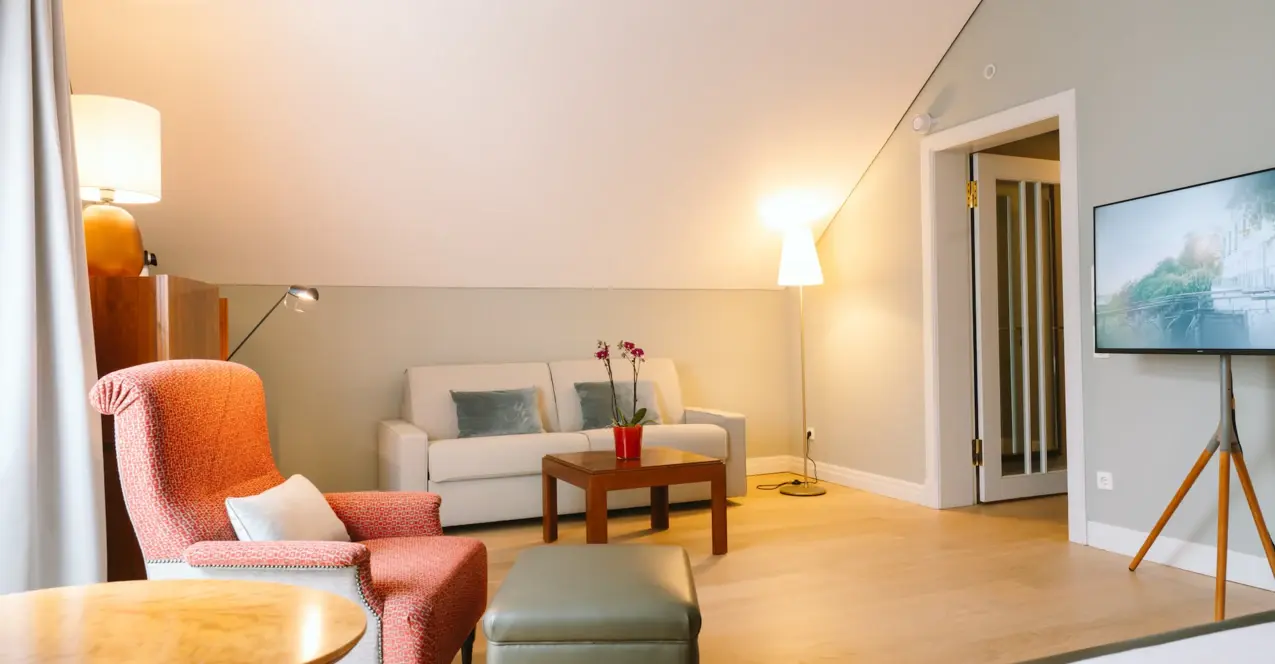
x=810, y=434
x=1105, y=481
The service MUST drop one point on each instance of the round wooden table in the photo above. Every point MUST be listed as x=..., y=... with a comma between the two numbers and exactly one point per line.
x=178, y=621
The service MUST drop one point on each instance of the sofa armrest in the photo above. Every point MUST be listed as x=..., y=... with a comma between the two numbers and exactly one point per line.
x=736, y=445
x=234, y=553
x=698, y=415
x=402, y=456
x=377, y=514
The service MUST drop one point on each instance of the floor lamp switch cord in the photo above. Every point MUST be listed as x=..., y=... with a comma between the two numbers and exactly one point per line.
x=814, y=477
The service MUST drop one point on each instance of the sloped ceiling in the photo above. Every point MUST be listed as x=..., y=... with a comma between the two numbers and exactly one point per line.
x=535, y=143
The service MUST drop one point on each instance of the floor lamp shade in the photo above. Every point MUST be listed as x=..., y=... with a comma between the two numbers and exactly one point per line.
x=799, y=262
x=117, y=154
x=799, y=266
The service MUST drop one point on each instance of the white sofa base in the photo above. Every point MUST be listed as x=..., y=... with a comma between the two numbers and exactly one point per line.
x=499, y=499
x=510, y=498
x=341, y=581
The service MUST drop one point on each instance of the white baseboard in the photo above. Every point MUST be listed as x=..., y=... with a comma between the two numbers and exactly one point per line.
x=890, y=487
x=780, y=463
x=855, y=479
x=1244, y=568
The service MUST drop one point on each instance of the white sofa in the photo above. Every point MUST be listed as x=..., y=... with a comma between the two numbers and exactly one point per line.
x=497, y=478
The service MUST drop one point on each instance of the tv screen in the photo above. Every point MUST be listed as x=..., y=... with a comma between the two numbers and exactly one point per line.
x=1188, y=271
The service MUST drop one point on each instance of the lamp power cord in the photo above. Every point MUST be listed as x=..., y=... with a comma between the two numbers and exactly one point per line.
x=814, y=465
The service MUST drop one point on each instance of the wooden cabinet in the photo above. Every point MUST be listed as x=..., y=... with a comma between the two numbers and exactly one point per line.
x=138, y=320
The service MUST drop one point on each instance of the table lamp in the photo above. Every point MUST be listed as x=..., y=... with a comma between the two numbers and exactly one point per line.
x=799, y=266
x=117, y=156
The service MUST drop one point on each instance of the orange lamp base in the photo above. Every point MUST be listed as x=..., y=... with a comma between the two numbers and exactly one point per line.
x=112, y=242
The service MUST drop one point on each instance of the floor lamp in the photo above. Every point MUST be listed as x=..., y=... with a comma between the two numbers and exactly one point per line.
x=799, y=266
x=298, y=292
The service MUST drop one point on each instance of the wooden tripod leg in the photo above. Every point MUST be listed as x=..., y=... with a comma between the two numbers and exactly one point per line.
x=1173, y=505
x=1223, y=524
x=1241, y=470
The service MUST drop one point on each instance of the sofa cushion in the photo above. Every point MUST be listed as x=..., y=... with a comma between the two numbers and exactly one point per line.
x=660, y=371
x=706, y=439
x=497, y=412
x=498, y=456
x=595, y=402
x=427, y=397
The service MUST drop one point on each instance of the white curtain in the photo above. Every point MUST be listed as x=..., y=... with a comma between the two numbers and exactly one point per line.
x=51, y=506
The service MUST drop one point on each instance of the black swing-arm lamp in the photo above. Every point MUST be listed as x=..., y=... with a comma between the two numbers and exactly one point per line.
x=299, y=292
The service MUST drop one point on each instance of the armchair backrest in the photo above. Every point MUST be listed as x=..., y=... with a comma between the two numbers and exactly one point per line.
x=188, y=434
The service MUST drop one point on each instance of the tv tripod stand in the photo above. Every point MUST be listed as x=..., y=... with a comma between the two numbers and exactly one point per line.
x=1227, y=441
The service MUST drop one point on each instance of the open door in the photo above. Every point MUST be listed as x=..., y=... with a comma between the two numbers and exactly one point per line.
x=1019, y=370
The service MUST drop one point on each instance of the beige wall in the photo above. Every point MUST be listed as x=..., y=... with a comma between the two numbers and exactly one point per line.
x=1168, y=94
x=333, y=372
x=501, y=143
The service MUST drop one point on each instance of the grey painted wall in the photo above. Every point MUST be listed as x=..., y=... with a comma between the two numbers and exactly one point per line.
x=331, y=373
x=1168, y=94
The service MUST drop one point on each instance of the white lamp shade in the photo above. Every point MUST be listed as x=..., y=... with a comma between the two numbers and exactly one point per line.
x=116, y=148
x=799, y=262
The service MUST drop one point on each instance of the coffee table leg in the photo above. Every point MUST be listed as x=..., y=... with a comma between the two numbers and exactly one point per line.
x=659, y=508
x=719, y=512
x=550, y=519
x=595, y=514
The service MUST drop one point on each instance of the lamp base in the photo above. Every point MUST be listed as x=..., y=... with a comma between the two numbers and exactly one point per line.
x=802, y=490
x=112, y=243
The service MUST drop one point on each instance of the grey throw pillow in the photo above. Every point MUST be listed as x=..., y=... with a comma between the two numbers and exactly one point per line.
x=595, y=402
x=497, y=413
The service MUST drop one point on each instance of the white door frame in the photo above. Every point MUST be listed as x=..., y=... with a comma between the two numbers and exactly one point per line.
x=947, y=339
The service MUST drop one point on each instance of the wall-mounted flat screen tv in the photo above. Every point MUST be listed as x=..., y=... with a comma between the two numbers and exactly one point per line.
x=1188, y=271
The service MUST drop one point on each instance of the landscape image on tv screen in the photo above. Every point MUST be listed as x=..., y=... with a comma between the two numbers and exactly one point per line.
x=1188, y=271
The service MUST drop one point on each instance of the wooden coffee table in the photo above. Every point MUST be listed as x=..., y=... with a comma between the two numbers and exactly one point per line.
x=600, y=472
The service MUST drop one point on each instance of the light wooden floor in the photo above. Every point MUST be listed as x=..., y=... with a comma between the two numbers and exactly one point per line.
x=854, y=577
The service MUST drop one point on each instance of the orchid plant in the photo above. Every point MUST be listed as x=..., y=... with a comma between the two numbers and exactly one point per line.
x=635, y=356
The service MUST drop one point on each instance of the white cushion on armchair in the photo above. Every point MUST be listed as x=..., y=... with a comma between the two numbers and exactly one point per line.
x=293, y=511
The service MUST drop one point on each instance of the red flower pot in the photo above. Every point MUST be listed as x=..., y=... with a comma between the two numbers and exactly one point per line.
x=628, y=442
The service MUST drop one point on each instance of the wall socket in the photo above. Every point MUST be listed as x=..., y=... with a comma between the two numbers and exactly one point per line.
x=810, y=434
x=1105, y=481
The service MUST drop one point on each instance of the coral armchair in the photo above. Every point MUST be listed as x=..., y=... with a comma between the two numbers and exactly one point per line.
x=191, y=433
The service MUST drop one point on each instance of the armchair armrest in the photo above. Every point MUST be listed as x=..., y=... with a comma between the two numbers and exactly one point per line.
x=736, y=444
x=376, y=514
x=234, y=553
x=308, y=563
x=402, y=456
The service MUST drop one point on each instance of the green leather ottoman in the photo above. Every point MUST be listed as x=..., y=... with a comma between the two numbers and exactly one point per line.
x=620, y=604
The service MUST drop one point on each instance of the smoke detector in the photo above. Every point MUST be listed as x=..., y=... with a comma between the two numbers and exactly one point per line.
x=922, y=123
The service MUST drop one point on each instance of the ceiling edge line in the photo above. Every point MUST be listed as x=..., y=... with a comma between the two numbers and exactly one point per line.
x=833, y=219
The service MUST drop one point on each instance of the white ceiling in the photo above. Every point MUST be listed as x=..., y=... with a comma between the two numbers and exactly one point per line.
x=538, y=143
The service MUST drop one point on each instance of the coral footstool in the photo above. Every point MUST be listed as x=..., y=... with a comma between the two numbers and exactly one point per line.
x=620, y=604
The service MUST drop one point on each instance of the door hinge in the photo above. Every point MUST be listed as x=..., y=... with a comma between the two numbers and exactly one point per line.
x=971, y=194
x=976, y=447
